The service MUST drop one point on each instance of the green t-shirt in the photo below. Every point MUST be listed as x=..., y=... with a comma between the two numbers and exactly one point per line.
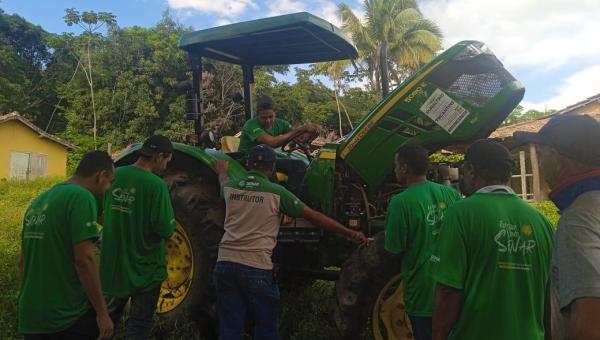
x=411, y=227
x=52, y=297
x=138, y=219
x=252, y=130
x=496, y=249
x=254, y=207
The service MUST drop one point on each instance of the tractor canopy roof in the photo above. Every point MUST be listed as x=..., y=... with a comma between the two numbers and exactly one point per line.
x=286, y=39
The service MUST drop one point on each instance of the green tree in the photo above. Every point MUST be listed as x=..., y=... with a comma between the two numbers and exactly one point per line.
x=126, y=87
x=135, y=75
x=24, y=59
x=393, y=41
x=518, y=115
x=335, y=70
x=91, y=22
x=359, y=102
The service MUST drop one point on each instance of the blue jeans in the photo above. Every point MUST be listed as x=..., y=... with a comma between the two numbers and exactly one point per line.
x=240, y=289
x=141, y=312
x=421, y=326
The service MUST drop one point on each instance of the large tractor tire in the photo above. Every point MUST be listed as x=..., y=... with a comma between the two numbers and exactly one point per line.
x=369, y=296
x=188, y=293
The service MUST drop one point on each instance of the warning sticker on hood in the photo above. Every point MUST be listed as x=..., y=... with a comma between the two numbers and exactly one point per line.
x=444, y=111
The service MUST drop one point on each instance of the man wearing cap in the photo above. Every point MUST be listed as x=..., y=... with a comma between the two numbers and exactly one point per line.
x=267, y=129
x=568, y=147
x=138, y=219
x=493, y=258
x=243, y=274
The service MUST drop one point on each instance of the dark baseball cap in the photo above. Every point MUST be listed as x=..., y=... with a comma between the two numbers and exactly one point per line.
x=156, y=144
x=487, y=154
x=575, y=136
x=261, y=153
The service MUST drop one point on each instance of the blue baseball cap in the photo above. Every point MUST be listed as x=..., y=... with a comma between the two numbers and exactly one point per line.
x=262, y=153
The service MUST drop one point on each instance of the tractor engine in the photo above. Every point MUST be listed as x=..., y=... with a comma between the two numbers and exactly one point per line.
x=364, y=209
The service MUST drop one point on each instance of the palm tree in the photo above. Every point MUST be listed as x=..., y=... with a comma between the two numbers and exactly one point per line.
x=394, y=40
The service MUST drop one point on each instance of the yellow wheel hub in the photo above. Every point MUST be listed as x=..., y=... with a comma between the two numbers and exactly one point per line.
x=389, y=320
x=180, y=271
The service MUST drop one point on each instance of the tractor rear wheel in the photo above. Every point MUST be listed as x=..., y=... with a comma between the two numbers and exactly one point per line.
x=369, y=295
x=188, y=293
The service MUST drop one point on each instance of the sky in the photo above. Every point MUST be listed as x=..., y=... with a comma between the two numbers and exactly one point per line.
x=551, y=46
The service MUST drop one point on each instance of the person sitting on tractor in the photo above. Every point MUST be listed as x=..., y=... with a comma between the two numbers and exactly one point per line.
x=267, y=129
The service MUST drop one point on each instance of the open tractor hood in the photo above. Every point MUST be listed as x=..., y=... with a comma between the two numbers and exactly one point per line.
x=461, y=95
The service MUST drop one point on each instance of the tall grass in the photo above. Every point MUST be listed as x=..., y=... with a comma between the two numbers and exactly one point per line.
x=15, y=197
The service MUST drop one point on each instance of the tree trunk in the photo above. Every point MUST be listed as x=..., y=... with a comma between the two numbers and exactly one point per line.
x=337, y=101
x=347, y=115
x=383, y=69
x=369, y=72
x=91, y=81
x=378, y=83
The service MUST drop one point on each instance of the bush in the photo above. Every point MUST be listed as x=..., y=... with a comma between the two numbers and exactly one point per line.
x=549, y=210
x=439, y=157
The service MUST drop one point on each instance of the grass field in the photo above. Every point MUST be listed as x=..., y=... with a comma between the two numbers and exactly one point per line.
x=306, y=310
x=14, y=199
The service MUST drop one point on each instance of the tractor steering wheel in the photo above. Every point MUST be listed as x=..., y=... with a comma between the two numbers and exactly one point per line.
x=295, y=143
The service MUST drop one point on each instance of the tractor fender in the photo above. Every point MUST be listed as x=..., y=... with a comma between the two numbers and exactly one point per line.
x=204, y=156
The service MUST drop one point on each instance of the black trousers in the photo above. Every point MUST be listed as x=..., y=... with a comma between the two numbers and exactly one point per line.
x=83, y=329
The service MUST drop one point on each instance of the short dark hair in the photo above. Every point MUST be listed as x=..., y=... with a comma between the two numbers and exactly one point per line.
x=94, y=162
x=492, y=161
x=416, y=158
x=265, y=103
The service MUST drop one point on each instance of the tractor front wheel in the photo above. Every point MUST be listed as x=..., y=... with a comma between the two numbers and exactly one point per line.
x=369, y=295
x=188, y=294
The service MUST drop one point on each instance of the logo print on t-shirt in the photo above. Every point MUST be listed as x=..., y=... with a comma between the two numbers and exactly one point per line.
x=435, y=213
x=123, y=199
x=36, y=216
x=526, y=230
x=33, y=218
x=512, y=240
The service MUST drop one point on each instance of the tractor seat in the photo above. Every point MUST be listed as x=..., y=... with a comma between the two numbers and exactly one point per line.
x=231, y=144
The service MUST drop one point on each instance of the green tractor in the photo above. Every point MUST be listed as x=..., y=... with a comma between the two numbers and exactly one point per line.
x=461, y=95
